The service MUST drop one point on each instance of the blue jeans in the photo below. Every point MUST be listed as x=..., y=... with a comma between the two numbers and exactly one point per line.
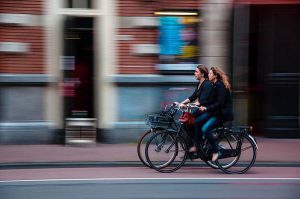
x=204, y=124
x=199, y=121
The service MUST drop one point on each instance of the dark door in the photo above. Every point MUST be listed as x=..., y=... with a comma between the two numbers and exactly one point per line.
x=78, y=67
x=274, y=64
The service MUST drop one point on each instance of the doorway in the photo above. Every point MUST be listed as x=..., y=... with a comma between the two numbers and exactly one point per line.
x=274, y=64
x=78, y=67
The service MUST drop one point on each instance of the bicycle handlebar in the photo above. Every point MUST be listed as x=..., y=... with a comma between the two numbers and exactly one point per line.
x=188, y=107
x=175, y=106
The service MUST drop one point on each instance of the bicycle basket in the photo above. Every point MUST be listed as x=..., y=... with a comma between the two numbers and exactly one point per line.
x=156, y=120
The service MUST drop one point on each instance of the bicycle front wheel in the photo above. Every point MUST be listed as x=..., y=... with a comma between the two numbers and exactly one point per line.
x=242, y=148
x=165, y=152
x=141, y=146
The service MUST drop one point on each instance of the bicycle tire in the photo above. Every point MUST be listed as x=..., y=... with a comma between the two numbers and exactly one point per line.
x=241, y=166
x=143, y=141
x=140, y=151
x=174, y=144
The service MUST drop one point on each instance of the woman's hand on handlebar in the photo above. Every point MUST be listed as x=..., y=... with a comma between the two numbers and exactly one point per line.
x=202, y=108
x=196, y=103
x=180, y=105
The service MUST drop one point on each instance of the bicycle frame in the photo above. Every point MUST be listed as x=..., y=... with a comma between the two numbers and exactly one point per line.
x=182, y=133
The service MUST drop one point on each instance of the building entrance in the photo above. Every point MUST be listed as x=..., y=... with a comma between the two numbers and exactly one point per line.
x=274, y=66
x=78, y=67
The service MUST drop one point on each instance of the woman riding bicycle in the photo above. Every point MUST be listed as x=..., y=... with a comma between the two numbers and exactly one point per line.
x=200, y=97
x=167, y=150
x=218, y=111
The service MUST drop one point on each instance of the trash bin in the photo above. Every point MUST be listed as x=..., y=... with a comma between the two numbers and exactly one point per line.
x=80, y=131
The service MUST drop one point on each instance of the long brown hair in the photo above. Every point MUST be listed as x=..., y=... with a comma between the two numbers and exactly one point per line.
x=203, y=69
x=221, y=75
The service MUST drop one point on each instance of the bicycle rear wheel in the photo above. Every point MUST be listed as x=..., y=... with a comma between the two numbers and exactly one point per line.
x=245, y=153
x=223, y=144
x=165, y=152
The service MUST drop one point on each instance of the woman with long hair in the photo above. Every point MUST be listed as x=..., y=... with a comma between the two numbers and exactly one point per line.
x=200, y=97
x=219, y=110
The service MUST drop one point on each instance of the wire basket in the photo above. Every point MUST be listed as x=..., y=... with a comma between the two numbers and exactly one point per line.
x=156, y=120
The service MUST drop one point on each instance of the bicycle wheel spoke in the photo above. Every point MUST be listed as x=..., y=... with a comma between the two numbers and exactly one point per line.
x=246, y=148
x=179, y=159
x=158, y=157
x=141, y=146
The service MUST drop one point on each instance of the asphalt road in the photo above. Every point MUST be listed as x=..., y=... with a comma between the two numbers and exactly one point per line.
x=142, y=172
x=144, y=183
x=152, y=188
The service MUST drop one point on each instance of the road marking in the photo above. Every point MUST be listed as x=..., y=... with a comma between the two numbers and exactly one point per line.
x=124, y=179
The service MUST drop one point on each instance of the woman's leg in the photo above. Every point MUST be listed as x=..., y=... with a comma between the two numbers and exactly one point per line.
x=207, y=128
x=199, y=121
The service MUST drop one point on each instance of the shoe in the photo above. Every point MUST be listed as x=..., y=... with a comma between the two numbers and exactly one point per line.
x=216, y=156
x=193, y=149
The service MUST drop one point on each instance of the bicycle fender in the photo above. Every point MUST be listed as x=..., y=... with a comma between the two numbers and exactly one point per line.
x=252, y=138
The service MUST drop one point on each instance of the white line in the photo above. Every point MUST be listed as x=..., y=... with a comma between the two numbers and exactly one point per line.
x=122, y=179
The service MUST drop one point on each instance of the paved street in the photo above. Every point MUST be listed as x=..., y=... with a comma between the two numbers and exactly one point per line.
x=143, y=172
x=153, y=188
x=113, y=171
x=141, y=182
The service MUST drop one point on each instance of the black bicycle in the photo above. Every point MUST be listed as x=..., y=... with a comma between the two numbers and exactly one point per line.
x=167, y=149
x=158, y=123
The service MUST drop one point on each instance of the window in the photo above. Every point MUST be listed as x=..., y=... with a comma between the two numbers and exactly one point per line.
x=178, y=40
x=78, y=3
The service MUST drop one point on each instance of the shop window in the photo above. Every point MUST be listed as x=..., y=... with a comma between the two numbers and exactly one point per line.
x=178, y=40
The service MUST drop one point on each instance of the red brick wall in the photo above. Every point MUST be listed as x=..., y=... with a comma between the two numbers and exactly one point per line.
x=32, y=61
x=128, y=62
x=22, y=7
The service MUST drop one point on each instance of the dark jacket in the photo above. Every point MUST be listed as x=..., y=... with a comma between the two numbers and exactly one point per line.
x=220, y=105
x=203, y=93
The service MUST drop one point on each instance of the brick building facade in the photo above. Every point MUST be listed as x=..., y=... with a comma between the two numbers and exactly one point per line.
x=102, y=59
x=24, y=76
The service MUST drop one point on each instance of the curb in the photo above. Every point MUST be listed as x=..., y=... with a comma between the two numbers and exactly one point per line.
x=45, y=165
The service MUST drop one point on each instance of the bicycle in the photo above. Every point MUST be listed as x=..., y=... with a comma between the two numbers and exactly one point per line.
x=175, y=142
x=163, y=122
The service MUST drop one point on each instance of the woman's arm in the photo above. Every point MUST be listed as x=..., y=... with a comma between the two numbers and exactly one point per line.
x=186, y=101
x=182, y=104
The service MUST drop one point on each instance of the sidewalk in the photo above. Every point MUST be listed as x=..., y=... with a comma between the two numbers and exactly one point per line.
x=269, y=150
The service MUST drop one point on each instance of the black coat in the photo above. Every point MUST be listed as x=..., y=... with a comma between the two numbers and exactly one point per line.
x=203, y=93
x=220, y=105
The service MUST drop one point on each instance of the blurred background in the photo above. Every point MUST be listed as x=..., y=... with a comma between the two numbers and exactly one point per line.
x=89, y=70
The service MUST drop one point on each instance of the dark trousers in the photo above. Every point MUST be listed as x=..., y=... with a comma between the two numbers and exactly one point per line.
x=204, y=124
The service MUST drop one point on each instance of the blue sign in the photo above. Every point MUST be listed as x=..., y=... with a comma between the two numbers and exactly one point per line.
x=170, y=41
